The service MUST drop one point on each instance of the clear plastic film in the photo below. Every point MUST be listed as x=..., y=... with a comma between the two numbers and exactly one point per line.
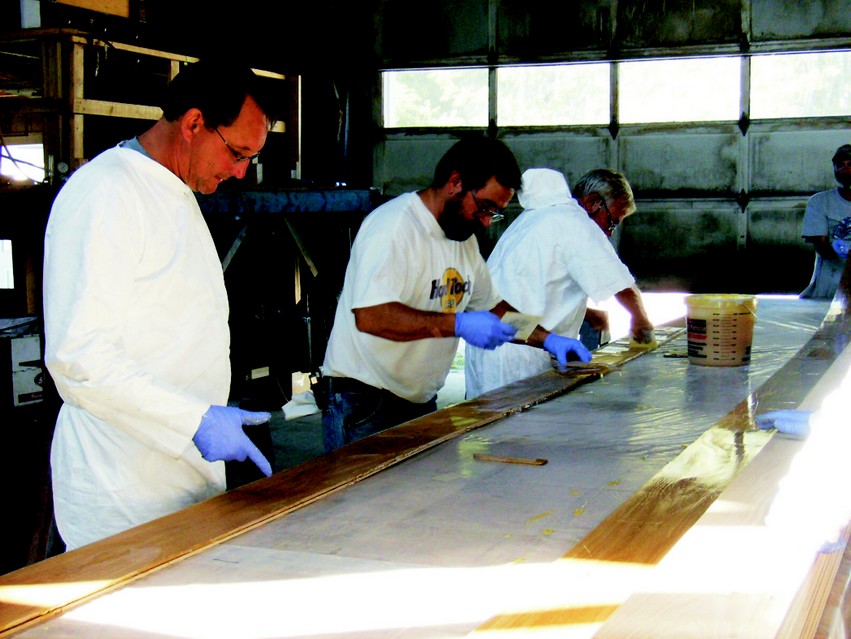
x=616, y=433
x=601, y=443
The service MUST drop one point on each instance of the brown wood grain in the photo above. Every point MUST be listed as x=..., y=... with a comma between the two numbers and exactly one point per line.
x=32, y=594
x=649, y=524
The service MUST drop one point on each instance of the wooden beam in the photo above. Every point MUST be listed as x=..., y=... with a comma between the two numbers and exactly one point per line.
x=82, y=106
x=135, y=111
x=132, y=48
x=36, y=593
x=119, y=8
x=730, y=575
x=645, y=528
x=76, y=93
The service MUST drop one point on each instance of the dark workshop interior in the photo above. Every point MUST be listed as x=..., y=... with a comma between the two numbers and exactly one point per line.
x=720, y=200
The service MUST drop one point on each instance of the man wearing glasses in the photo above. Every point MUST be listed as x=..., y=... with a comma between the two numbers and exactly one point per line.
x=551, y=259
x=416, y=283
x=136, y=314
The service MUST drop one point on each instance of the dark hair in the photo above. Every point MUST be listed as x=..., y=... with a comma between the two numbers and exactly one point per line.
x=477, y=159
x=217, y=89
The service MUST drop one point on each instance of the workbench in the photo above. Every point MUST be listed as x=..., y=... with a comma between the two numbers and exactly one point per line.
x=407, y=534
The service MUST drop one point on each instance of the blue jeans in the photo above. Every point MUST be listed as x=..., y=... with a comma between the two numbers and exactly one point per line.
x=355, y=413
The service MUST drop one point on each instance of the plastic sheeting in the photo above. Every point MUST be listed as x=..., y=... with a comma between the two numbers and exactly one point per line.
x=603, y=441
x=434, y=546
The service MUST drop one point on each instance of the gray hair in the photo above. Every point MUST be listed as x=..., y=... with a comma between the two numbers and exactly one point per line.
x=608, y=184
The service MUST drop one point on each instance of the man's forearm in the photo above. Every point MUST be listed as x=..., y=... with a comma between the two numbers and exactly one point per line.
x=400, y=323
x=630, y=299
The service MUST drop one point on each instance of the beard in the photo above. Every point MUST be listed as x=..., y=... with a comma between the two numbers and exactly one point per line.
x=454, y=225
x=843, y=178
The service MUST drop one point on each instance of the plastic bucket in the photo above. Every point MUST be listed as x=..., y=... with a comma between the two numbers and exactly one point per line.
x=720, y=329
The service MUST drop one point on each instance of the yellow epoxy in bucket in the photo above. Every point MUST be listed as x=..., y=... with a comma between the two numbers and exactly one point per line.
x=720, y=329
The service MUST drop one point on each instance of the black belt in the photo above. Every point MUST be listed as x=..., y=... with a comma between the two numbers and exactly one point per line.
x=350, y=385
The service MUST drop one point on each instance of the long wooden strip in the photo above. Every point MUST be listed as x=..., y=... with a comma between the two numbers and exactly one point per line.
x=811, y=611
x=509, y=460
x=645, y=527
x=835, y=621
x=730, y=576
x=35, y=593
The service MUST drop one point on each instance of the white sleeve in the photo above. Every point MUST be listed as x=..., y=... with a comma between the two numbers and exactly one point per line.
x=378, y=267
x=92, y=244
x=596, y=267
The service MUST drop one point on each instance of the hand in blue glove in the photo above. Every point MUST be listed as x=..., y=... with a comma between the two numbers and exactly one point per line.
x=483, y=329
x=220, y=436
x=841, y=248
x=566, y=349
x=788, y=422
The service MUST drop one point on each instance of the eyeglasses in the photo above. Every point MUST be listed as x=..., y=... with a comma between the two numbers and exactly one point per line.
x=613, y=223
x=237, y=156
x=495, y=213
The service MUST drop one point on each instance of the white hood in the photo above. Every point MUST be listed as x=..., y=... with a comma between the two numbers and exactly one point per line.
x=543, y=187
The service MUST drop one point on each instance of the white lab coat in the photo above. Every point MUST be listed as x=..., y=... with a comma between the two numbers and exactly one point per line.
x=549, y=262
x=137, y=342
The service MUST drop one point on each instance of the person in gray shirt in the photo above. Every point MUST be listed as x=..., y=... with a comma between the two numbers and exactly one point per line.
x=827, y=226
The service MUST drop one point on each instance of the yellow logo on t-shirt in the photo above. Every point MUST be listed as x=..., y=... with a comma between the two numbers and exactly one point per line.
x=449, y=289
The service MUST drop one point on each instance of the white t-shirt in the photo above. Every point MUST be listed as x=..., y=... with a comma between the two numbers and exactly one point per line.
x=827, y=214
x=137, y=341
x=547, y=263
x=402, y=255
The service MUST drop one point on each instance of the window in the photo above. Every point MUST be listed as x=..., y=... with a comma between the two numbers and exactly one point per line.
x=28, y=162
x=436, y=98
x=681, y=90
x=553, y=95
x=801, y=85
x=783, y=85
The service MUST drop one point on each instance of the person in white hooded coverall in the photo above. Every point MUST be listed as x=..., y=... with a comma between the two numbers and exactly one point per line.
x=550, y=261
x=136, y=314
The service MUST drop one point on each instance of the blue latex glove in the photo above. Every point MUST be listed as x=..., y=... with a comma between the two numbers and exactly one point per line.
x=220, y=436
x=483, y=329
x=841, y=248
x=831, y=546
x=788, y=422
x=566, y=349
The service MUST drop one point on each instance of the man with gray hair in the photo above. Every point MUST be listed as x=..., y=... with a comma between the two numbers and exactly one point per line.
x=550, y=261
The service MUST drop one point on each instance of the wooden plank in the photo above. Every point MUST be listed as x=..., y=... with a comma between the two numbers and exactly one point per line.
x=136, y=111
x=76, y=142
x=809, y=614
x=729, y=575
x=132, y=48
x=116, y=109
x=835, y=622
x=649, y=524
x=509, y=460
x=119, y=8
x=36, y=593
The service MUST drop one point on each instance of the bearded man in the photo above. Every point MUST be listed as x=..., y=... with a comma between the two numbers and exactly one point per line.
x=416, y=282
